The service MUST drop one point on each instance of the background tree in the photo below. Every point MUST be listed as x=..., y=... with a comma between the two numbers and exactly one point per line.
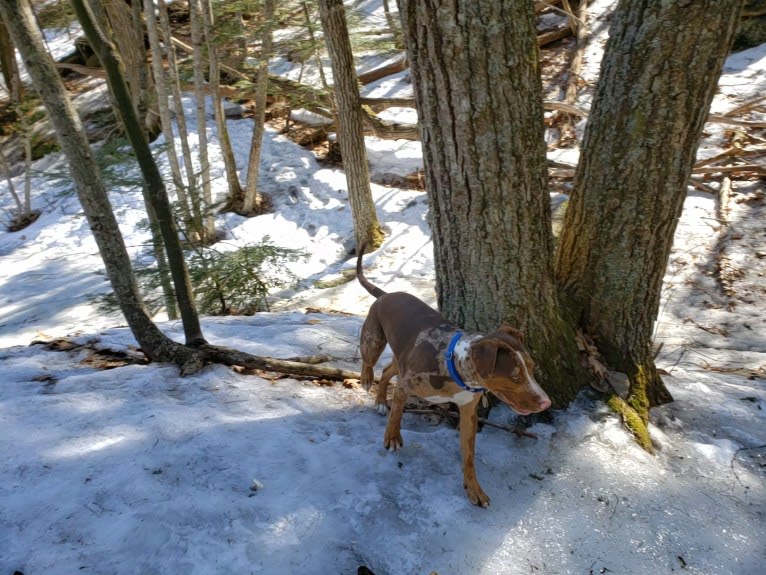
x=123, y=22
x=658, y=78
x=203, y=229
x=214, y=80
x=90, y=189
x=253, y=201
x=7, y=59
x=156, y=199
x=185, y=191
x=479, y=97
x=350, y=121
x=24, y=214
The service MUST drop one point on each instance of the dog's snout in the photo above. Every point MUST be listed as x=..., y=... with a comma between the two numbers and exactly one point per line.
x=545, y=403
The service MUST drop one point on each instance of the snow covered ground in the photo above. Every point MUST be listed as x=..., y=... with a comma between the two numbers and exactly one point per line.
x=136, y=470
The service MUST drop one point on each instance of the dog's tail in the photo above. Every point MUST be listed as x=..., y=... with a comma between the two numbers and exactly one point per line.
x=374, y=291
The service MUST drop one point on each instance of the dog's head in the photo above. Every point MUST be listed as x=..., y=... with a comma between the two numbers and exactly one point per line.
x=503, y=365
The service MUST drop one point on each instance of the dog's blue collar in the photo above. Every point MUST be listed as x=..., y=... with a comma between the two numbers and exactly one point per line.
x=449, y=355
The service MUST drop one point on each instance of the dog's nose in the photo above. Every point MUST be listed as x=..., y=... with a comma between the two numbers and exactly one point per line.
x=545, y=403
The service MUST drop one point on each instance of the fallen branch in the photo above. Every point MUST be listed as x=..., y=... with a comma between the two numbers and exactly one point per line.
x=383, y=103
x=389, y=130
x=554, y=35
x=305, y=366
x=718, y=118
x=564, y=107
x=725, y=273
x=518, y=430
x=541, y=5
x=381, y=72
x=746, y=106
x=232, y=357
x=751, y=169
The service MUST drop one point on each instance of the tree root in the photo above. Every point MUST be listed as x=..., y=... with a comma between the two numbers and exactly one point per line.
x=633, y=421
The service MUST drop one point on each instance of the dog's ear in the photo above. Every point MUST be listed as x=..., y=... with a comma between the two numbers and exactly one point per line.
x=490, y=355
x=512, y=331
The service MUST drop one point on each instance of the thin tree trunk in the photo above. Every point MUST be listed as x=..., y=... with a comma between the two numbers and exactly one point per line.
x=161, y=100
x=188, y=191
x=214, y=70
x=350, y=123
x=8, y=59
x=658, y=77
x=116, y=18
x=479, y=97
x=206, y=229
x=161, y=87
x=25, y=205
x=88, y=185
x=156, y=194
x=252, y=203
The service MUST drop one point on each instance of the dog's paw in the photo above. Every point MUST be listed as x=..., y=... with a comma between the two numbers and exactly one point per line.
x=381, y=408
x=477, y=496
x=393, y=442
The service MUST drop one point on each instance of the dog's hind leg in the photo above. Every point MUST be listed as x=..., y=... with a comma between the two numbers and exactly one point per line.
x=372, y=342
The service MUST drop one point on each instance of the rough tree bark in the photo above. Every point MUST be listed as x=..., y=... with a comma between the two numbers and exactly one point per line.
x=479, y=97
x=350, y=123
x=658, y=77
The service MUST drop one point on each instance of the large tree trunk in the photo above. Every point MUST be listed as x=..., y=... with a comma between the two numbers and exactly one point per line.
x=87, y=182
x=658, y=77
x=479, y=97
x=350, y=123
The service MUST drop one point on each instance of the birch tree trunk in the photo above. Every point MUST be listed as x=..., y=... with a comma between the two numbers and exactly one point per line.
x=87, y=182
x=350, y=123
x=479, y=96
x=658, y=78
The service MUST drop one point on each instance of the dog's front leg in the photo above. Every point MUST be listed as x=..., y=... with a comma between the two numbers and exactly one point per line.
x=389, y=371
x=469, y=421
x=393, y=438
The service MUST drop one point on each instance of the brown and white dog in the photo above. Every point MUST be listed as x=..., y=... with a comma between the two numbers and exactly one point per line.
x=437, y=362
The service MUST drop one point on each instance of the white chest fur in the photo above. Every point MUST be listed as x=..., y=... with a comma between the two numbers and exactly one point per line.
x=462, y=397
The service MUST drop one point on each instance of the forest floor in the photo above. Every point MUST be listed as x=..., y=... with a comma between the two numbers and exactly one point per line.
x=136, y=470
